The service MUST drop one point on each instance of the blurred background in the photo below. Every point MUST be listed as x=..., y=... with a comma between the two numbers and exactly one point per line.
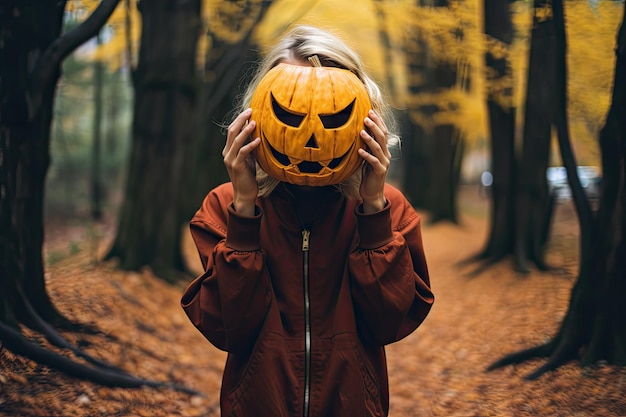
x=404, y=44
x=502, y=107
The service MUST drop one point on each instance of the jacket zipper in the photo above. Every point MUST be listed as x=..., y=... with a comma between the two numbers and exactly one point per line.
x=307, y=323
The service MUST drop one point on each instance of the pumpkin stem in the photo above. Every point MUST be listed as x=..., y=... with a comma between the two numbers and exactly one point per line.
x=315, y=61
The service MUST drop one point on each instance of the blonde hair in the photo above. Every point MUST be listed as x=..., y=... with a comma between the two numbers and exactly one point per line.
x=301, y=43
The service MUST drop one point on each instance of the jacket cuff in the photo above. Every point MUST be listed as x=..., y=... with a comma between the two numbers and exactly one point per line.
x=243, y=232
x=374, y=228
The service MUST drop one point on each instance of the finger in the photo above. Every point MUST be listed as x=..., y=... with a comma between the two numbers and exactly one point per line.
x=234, y=129
x=379, y=124
x=237, y=142
x=241, y=147
x=243, y=160
x=376, y=118
x=248, y=148
x=374, y=163
x=378, y=131
x=377, y=149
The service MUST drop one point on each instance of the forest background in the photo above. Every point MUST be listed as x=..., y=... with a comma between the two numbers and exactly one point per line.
x=590, y=29
x=122, y=143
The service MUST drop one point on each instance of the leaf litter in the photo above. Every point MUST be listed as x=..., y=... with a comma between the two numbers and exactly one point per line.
x=439, y=370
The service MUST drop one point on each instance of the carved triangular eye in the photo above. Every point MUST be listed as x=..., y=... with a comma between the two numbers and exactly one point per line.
x=285, y=116
x=336, y=120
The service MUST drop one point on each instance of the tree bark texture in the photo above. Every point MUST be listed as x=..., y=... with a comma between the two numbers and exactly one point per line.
x=149, y=228
x=534, y=205
x=28, y=30
x=228, y=68
x=593, y=329
x=31, y=52
x=448, y=146
x=498, y=28
x=417, y=161
x=433, y=152
x=597, y=302
x=96, y=184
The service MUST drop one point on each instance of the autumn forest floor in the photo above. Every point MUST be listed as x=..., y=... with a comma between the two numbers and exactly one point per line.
x=437, y=371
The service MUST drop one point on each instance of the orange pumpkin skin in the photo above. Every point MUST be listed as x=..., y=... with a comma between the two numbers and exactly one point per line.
x=309, y=120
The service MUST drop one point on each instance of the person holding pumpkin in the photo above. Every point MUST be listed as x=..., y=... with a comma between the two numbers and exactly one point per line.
x=313, y=263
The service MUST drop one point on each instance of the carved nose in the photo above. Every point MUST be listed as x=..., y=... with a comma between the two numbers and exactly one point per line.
x=312, y=143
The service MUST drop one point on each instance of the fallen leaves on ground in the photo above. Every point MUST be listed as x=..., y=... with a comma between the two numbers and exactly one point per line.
x=439, y=370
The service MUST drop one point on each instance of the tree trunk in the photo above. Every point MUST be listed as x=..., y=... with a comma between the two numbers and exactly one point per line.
x=28, y=88
x=149, y=228
x=501, y=113
x=386, y=45
x=228, y=70
x=433, y=152
x=396, y=169
x=417, y=159
x=533, y=203
x=448, y=148
x=594, y=326
x=25, y=119
x=32, y=46
x=593, y=329
x=96, y=155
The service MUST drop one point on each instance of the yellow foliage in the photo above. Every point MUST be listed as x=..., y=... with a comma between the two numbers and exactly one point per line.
x=543, y=13
x=456, y=107
x=591, y=63
x=451, y=32
x=354, y=22
x=454, y=35
x=114, y=47
x=227, y=21
x=230, y=20
x=81, y=6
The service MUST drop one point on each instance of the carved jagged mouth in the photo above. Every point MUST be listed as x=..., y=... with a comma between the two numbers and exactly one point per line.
x=306, y=167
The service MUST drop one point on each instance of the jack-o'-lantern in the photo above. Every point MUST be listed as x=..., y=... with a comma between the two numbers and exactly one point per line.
x=309, y=120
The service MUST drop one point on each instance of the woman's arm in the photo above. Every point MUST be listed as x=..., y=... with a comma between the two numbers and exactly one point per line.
x=390, y=281
x=229, y=302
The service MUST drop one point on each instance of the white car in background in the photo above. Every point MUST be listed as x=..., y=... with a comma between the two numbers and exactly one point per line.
x=589, y=176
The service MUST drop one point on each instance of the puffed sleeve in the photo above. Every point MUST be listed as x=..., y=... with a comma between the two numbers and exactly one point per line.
x=390, y=281
x=229, y=301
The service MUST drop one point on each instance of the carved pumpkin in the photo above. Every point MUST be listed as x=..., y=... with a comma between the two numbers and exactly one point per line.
x=309, y=119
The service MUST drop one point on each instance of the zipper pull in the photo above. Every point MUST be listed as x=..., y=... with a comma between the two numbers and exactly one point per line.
x=305, y=240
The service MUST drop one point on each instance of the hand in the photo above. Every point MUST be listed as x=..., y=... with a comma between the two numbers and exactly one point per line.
x=239, y=162
x=377, y=160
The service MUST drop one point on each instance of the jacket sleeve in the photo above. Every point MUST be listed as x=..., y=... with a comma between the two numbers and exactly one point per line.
x=229, y=301
x=390, y=281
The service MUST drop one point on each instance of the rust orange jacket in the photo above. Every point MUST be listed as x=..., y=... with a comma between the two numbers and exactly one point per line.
x=304, y=296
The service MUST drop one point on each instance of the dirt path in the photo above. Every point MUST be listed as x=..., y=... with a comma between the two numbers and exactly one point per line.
x=437, y=371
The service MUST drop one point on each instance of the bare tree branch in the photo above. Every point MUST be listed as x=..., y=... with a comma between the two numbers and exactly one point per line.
x=50, y=61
